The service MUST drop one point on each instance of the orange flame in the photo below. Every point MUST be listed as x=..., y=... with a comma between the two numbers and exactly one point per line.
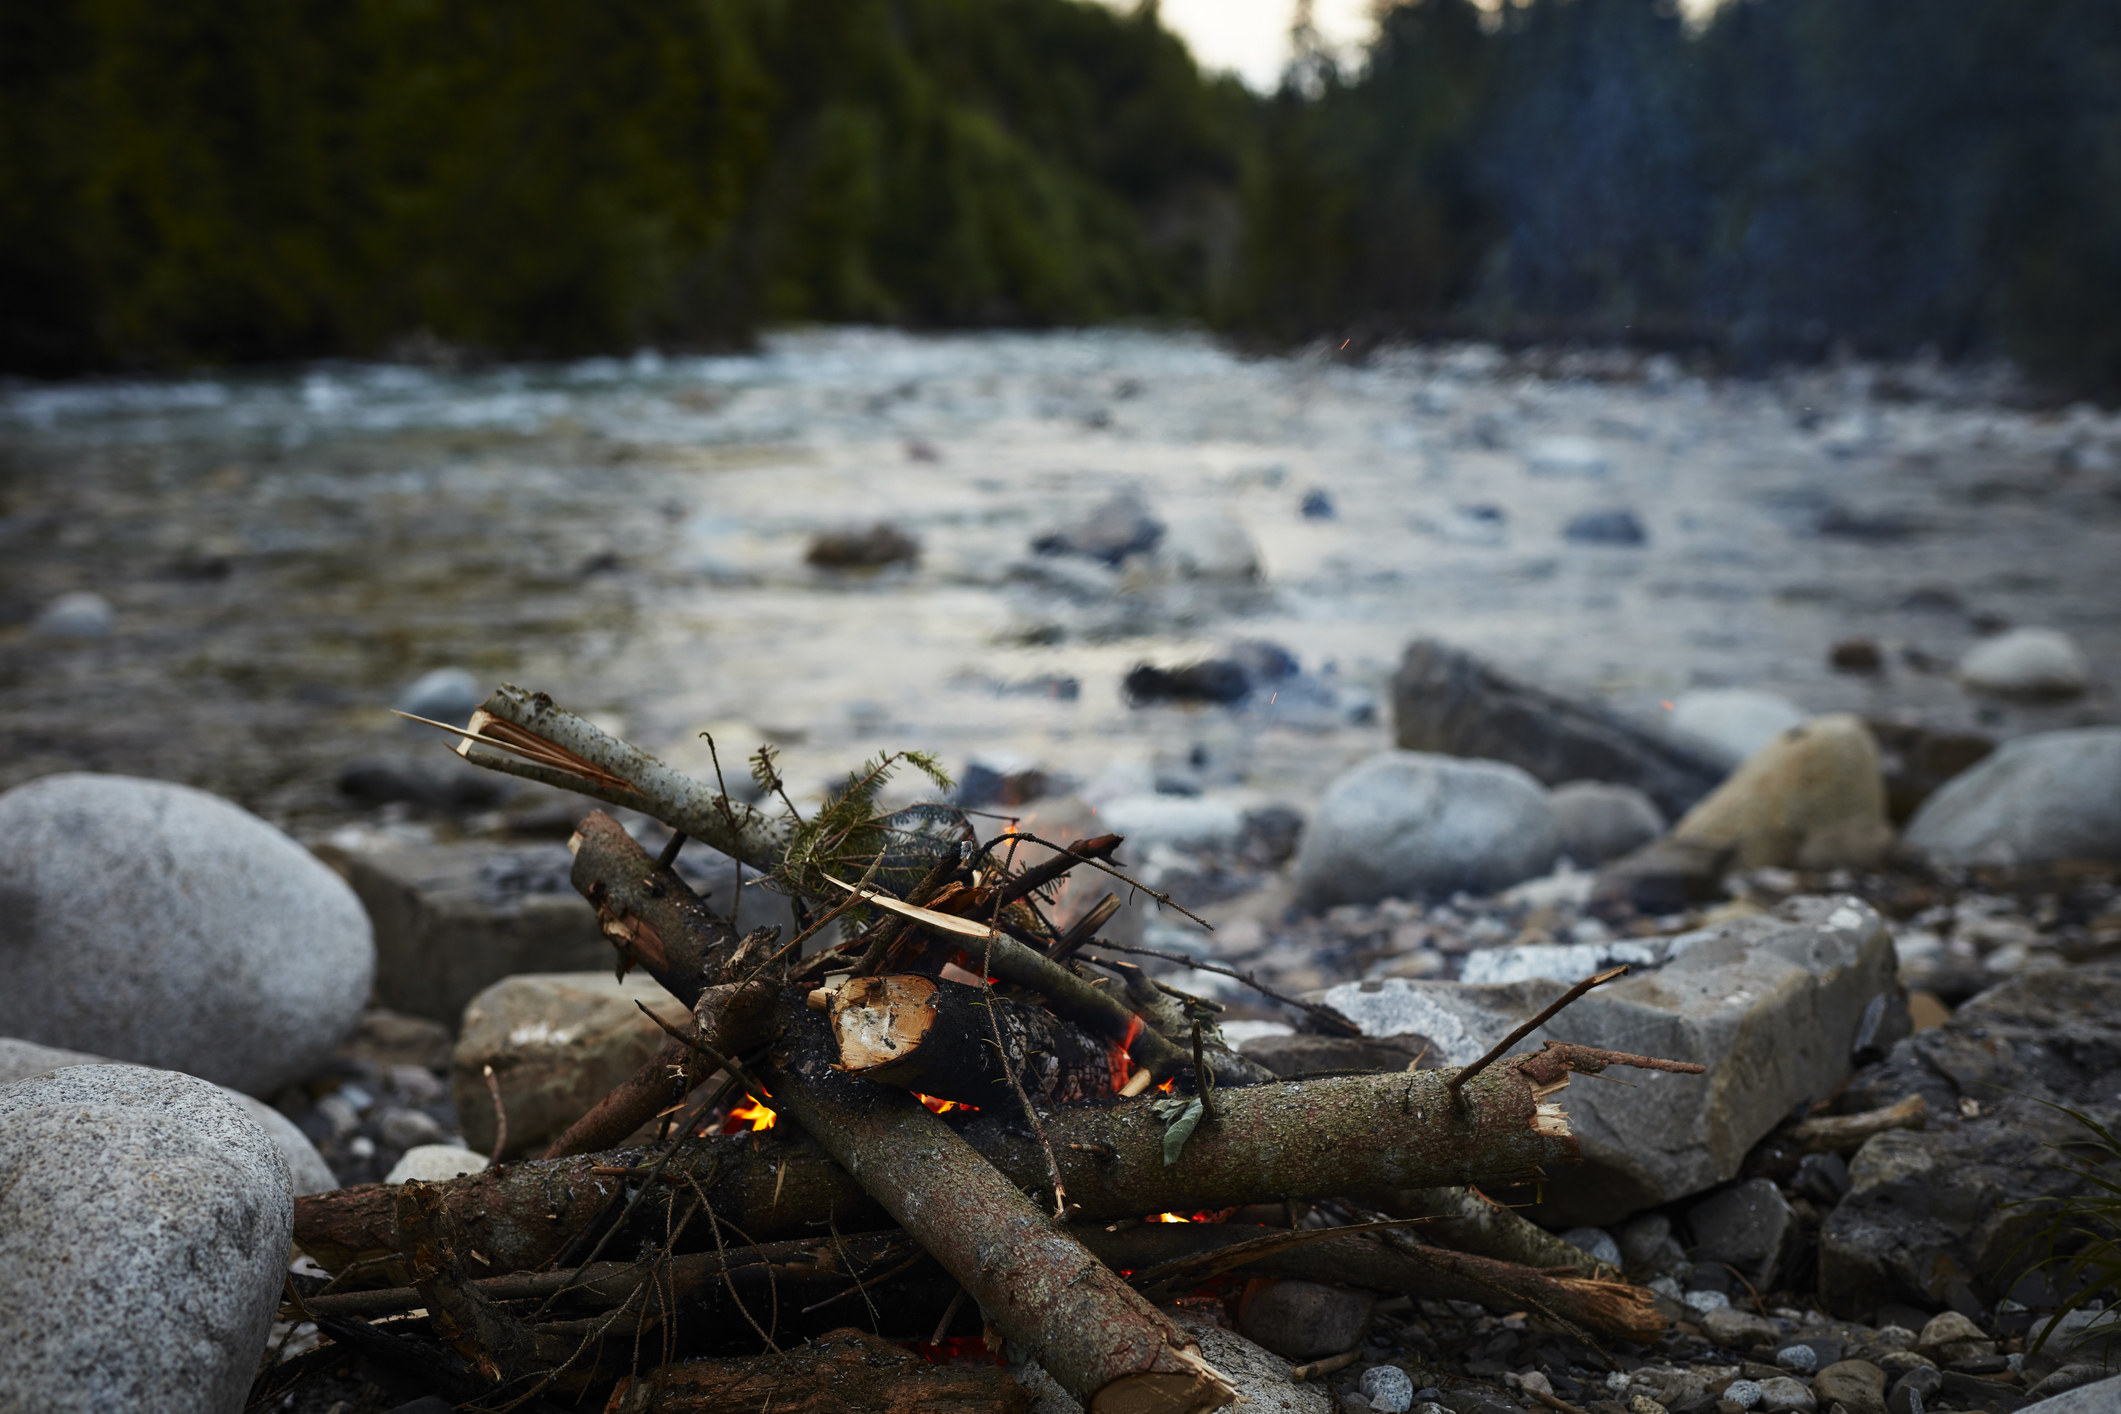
x=1169, y=1218
x=1121, y=1066
x=753, y=1114
x=942, y=1106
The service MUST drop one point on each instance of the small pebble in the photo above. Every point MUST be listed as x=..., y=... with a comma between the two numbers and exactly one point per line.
x=406, y=1129
x=1388, y=1388
x=1703, y=1302
x=1430, y=1407
x=1643, y=1404
x=1801, y=1358
x=1743, y=1393
x=1536, y=1382
x=76, y=615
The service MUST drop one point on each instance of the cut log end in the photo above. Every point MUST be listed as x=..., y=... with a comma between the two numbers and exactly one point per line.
x=877, y=1020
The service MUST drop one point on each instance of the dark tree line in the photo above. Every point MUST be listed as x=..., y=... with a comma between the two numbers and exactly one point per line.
x=216, y=180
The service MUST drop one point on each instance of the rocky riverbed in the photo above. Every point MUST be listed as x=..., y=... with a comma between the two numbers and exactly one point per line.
x=1435, y=681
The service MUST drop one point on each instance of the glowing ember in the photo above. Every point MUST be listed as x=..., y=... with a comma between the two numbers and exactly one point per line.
x=752, y=1116
x=942, y=1106
x=1169, y=1218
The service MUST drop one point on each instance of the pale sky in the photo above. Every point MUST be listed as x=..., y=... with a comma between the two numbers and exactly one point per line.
x=1251, y=37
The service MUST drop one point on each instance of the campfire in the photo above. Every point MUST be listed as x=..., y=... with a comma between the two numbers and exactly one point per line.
x=938, y=1107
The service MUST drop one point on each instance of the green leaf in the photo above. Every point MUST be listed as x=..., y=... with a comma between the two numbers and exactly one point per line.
x=1179, y=1129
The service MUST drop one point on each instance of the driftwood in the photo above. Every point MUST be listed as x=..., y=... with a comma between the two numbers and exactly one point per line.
x=937, y=1038
x=1481, y=1225
x=1844, y=1134
x=842, y=1372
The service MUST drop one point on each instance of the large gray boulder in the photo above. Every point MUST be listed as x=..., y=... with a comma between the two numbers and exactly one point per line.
x=1772, y=1004
x=1447, y=700
x=1409, y=824
x=164, y=926
x=2055, y=795
x=19, y=1060
x=145, y=1223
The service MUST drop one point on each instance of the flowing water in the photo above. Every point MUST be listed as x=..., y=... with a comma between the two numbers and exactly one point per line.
x=286, y=551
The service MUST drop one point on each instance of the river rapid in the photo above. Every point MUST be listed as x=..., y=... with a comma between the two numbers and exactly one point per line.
x=284, y=552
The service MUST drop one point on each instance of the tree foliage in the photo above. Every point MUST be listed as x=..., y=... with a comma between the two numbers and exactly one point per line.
x=219, y=180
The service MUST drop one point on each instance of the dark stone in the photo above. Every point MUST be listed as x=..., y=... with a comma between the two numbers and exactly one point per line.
x=1918, y=759
x=982, y=785
x=864, y=548
x=1271, y=833
x=438, y=783
x=1664, y=876
x=1216, y=680
x=1855, y=655
x=1448, y=701
x=1929, y=1219
x=1317, y=505
x=1823, y=1178
x=1957, y=1391
x=1614, y=527
x=1263, y=660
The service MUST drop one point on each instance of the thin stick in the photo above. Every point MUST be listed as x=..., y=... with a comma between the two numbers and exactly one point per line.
x=1203, y=1079
x=994, y=1021
x=1163, y=898
x=500, y=1117
x=1502, y=1047
x=1085, y=927
x=1340, y=1025
x=942, y=1327
x=1326, y=1366
x=669, y=856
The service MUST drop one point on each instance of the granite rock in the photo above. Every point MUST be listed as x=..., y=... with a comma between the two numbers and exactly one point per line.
x=1730, y=724
x=166, y=927
x=19, y=1060
x=145, y=1222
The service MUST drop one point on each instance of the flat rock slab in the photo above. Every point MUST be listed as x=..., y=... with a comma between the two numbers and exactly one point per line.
x=1772, y=1005
x=145, y=1222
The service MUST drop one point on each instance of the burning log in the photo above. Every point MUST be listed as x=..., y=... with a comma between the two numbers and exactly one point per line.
x=937, y=1037
x=1036, y=1284
x=1303, y=1139
x=842, y=1372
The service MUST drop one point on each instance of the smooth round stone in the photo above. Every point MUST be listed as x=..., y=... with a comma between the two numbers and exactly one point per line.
x=157, y=924
x=1596, y=1241
x=1388, y=1388
x=1703, y=1302
x=444, y=695
x=76, y=615
x=1743, y=1393
x=1800, y=1358
x=435, y=1163
x=2025, y=662
x=145, y=1222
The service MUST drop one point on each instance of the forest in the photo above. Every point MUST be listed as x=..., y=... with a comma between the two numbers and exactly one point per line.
x=187, y=182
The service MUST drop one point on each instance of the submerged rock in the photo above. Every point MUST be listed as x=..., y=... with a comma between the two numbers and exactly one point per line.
x=145, y=1222
x=165, y=926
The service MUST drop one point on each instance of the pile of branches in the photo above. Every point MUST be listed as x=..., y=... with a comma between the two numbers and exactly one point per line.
x=976, y=1113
